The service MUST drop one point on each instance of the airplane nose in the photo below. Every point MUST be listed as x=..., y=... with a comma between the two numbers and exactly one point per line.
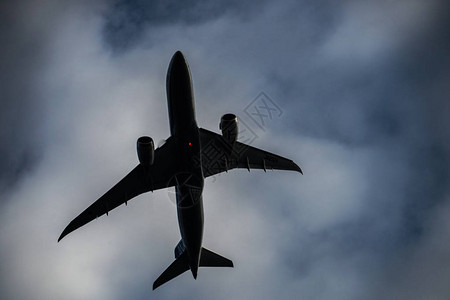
x=178, y=59
x=178, y=82
x=177, y=68
x=178, y=54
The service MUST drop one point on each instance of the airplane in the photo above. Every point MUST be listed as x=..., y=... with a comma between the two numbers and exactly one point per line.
x=188, y=156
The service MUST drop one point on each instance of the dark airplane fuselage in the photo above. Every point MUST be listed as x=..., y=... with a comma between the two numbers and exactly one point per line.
x=179, y=163
x=189, y=178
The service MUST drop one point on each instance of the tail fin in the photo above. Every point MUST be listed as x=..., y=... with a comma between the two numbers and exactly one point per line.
x=178, y=267
x=211, y=259
x=181, y=264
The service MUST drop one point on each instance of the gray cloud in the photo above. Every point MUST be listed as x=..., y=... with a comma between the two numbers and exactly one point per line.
x=126, y=21
x=363, y=89
x=21, y=56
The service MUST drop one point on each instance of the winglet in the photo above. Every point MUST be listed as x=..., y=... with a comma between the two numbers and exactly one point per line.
x=60, y=237
x=65, y=232
x=294, y=167
x=298, y=169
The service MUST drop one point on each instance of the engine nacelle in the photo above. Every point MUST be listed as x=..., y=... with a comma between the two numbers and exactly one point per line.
x=229, y=126
x=145, y=150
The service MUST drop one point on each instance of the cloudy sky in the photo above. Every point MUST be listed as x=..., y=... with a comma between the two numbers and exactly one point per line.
x=362, y=90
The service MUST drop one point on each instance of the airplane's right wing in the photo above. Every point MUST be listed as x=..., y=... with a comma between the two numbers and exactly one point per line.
x=218, y=156
x=140, y=180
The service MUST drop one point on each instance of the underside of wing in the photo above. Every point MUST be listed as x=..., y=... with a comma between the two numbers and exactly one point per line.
x=140, y=180
x=219, y=156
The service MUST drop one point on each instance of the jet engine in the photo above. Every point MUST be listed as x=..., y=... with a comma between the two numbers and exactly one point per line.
x=145, y=150
x=229, y=126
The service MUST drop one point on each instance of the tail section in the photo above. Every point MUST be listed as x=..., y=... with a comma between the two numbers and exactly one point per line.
x=181, y=264
x=178, y=267
x=211, y=259
x=179, y=249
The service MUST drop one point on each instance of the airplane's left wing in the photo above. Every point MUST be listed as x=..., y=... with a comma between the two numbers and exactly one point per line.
x=219, y=156
x=140, y=180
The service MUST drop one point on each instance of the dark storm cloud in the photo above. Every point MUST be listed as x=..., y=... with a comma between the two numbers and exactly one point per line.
x=389, y=105
x=127, y=21
x=21, y=55
x=363, y=87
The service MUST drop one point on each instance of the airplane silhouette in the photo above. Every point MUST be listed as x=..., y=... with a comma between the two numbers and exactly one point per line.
x=188, y=156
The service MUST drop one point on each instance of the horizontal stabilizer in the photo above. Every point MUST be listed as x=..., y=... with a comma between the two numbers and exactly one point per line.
x=181, y=264
x=211, y=259
x=178, y=267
